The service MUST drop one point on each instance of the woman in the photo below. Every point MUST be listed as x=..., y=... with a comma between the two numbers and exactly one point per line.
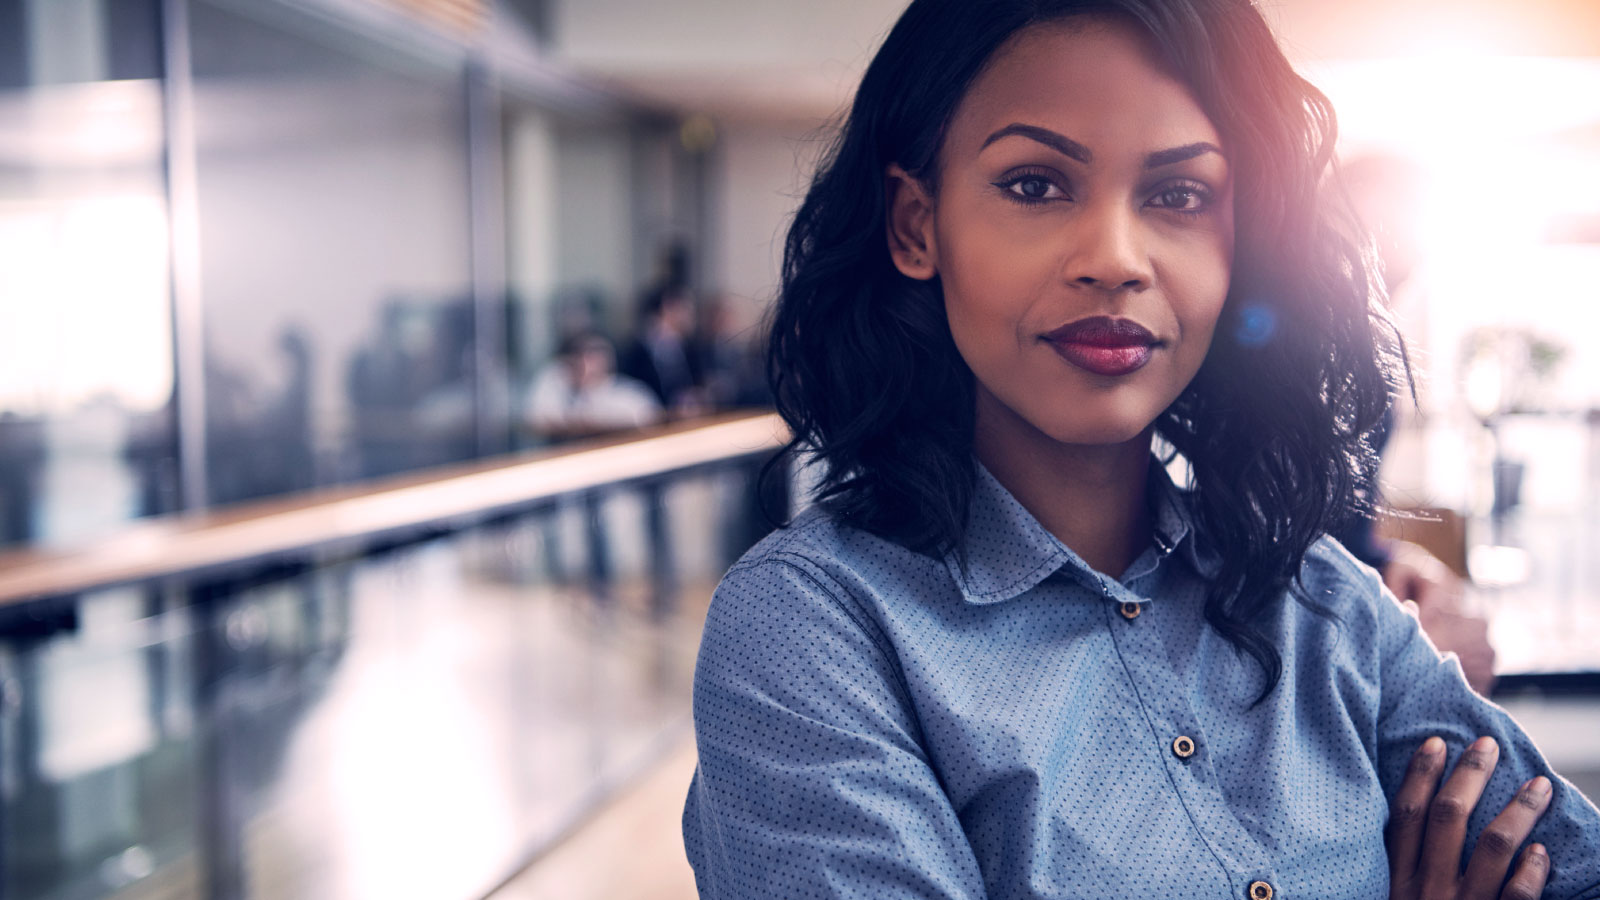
x=1004, y=656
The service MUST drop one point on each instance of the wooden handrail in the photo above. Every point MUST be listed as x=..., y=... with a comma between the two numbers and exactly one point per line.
x=171, y=545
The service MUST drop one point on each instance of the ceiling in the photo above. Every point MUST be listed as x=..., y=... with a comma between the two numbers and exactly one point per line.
x=778, y=59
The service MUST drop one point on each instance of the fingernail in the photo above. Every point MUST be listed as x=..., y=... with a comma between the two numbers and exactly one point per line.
x=1539, y=785
x=1538, y=850
x=1484, y=744
x=1433, y=746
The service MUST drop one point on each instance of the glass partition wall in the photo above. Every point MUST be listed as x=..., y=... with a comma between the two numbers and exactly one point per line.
x=333, y=209
x=87, y=436
x=252, y=248
x=324, y=248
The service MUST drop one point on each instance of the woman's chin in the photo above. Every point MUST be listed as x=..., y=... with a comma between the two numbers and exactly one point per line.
x=1102, y=435
x=1081, y=433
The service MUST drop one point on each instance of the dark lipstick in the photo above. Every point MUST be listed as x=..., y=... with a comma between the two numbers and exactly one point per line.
x=1103, y=345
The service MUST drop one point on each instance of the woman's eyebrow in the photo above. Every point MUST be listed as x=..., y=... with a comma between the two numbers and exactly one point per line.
x=1178, y=154
x=1073, y=150
x=1058, y=142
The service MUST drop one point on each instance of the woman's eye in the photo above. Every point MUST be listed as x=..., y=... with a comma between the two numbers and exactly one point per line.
x=1185, y=198
x=1032, y=187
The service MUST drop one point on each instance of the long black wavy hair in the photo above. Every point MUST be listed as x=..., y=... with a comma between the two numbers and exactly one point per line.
x=1276, y=424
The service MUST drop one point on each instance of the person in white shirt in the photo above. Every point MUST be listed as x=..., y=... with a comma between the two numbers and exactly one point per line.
x=580, y=394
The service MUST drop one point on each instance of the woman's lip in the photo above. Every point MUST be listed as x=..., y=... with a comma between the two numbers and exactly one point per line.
x=1103, y=360
x=1104, y=345
x=1102, y=331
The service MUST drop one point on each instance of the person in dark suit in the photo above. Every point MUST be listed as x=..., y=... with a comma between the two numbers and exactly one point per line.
x=660, y=354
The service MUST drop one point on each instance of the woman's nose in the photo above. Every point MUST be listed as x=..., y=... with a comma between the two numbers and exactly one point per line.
x=1106, y=249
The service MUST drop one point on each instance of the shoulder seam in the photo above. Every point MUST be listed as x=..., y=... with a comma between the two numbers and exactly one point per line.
x=835, y=593
x=779, y=540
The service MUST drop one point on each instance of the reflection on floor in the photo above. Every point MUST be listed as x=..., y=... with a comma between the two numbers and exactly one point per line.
x=633, y=848
x=418, y=755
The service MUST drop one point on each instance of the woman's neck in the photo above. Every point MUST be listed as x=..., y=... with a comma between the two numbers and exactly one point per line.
x=1091, y=497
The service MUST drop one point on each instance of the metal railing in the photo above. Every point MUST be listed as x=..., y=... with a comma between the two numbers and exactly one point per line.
x=259, y=531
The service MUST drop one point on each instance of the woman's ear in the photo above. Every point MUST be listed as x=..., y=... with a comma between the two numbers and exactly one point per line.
x=911, y=237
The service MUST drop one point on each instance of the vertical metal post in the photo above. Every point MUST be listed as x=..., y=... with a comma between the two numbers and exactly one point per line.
x=486, y=207
x=221, y=812
x=219, y=843
x=183, y=211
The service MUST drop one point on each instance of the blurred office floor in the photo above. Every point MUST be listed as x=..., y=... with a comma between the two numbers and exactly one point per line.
x=633, y=848
x=417, y=722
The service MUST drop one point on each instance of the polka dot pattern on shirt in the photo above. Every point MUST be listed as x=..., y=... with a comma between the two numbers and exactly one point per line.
x=877, y=723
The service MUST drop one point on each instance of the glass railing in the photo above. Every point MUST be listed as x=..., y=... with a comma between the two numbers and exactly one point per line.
x=410, y=691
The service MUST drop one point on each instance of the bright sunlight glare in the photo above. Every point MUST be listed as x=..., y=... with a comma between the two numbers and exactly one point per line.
x=1502, y=149
x=85, y=311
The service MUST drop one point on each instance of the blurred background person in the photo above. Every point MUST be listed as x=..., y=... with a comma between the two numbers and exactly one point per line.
x=728, y=355
x=580, y=394
x=661, y=355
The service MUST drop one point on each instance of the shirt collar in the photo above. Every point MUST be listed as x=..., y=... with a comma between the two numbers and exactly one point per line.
x=1008, y=552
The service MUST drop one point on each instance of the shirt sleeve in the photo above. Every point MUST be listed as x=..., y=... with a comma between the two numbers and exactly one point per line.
x=812, y=781
x=1425, y=694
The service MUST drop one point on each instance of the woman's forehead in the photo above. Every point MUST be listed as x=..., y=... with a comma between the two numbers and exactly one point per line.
x=1099, y=78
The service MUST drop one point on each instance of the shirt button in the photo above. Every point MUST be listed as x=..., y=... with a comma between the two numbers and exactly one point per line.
x=1183, y=748
x=1130, y=611
x=1260, y=890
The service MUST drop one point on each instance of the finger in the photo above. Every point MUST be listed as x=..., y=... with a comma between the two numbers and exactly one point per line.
x=1497, y=845
x=1408, y=814
x=1528, y=883
x=1451, y=808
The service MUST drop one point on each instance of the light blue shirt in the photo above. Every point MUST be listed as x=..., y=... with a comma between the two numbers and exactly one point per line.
x=875, y=723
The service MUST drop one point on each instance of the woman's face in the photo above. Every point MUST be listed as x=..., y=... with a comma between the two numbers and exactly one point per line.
x=1082, y=231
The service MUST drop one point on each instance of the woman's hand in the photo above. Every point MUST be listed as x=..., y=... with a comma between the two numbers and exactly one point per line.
x=1427, y=831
